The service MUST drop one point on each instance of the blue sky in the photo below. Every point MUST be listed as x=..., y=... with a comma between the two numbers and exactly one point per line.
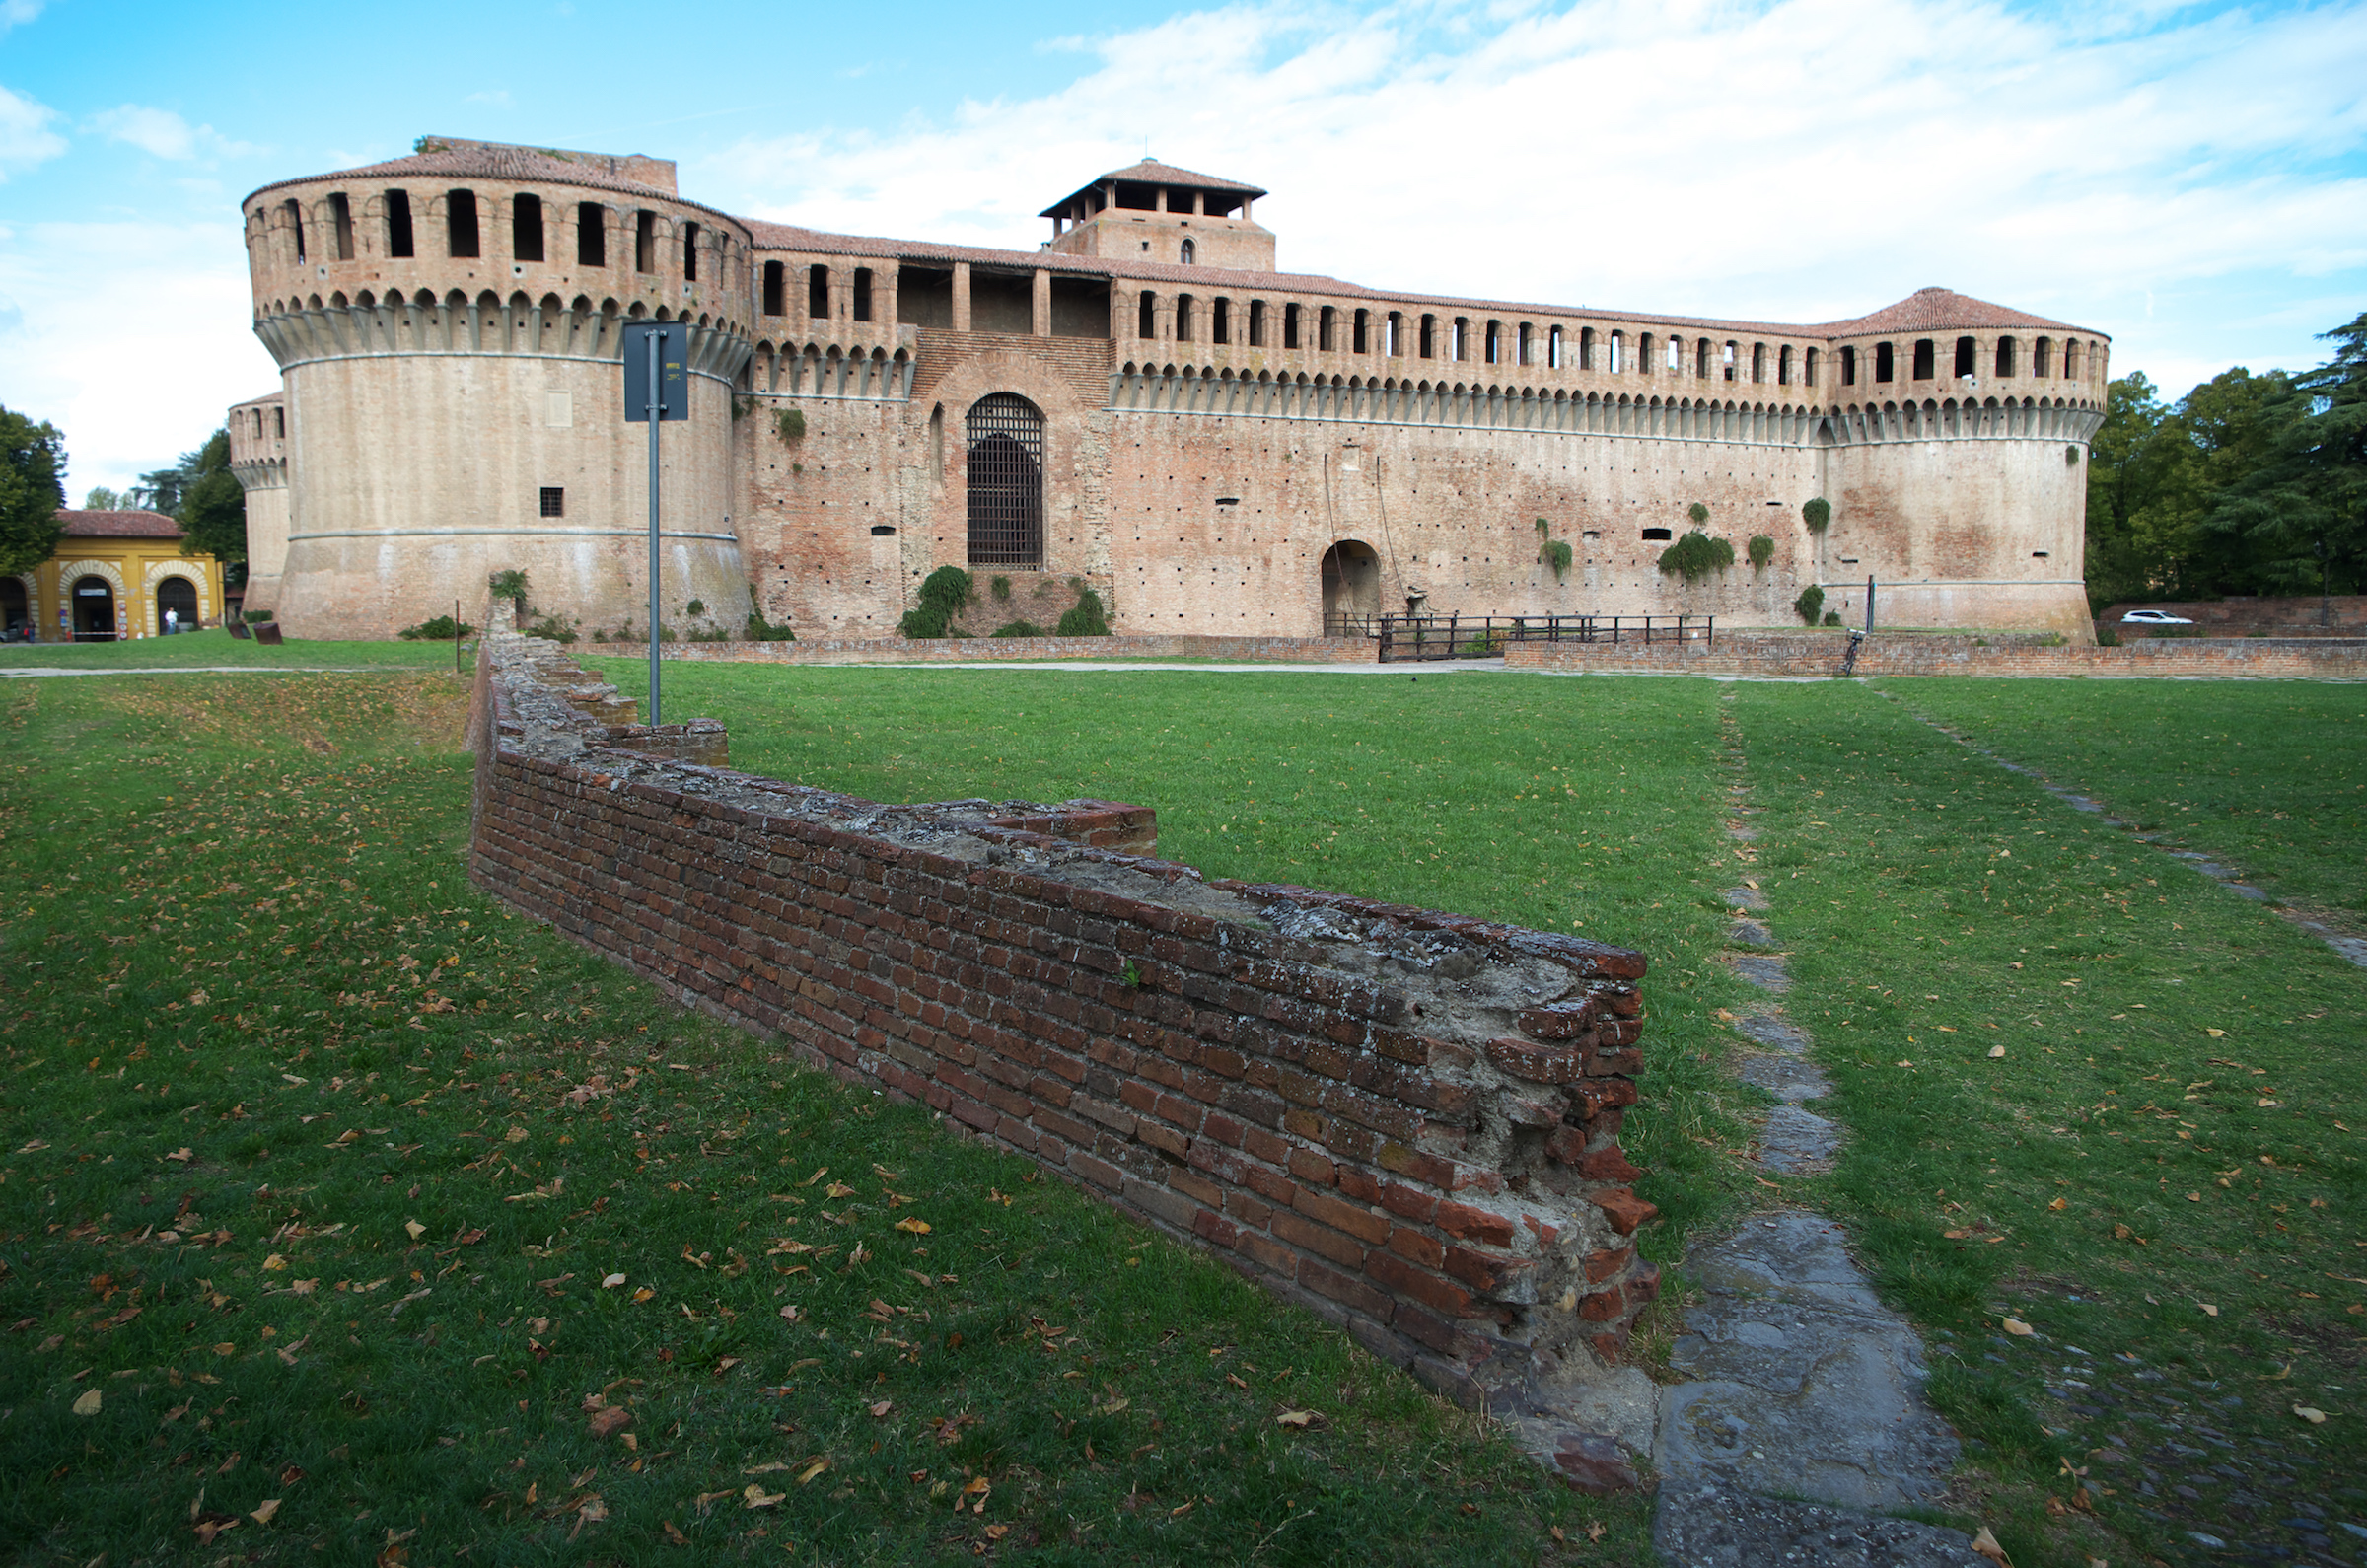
x=2192, y=180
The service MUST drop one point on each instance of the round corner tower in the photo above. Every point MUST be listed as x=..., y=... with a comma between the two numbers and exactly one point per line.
x=448, y=329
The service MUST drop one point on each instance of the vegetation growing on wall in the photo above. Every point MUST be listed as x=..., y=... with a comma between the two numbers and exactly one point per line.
x=1762, y=551
x=1019, y=628
x=942, y=592
x=510, y=585
x=762, y=630
x=1696, y=555
x=1810, y=606
x=1817, y=514
x=1085, y=618
x=1698, y=513
x=790, y=424
x=1557, y=556
x=442, y=630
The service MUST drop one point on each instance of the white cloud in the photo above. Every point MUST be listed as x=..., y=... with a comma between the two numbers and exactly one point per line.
x=161, y=133
x=130, y=338
x=1789, y=160
x=26, y=138
x=498, y=97
x=15, y=13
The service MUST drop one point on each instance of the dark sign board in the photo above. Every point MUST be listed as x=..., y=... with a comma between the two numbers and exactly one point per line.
x=674, y=377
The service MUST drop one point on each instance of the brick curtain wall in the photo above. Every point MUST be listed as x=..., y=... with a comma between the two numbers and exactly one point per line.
x=950, y=650
x=1457, y=1197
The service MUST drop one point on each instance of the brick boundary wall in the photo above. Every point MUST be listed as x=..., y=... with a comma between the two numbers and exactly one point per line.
x=1404, y=1120
x=969, y=650
x=1821, y=654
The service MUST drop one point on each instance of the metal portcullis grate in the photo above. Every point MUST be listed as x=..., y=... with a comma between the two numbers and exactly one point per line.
x=1004, y=474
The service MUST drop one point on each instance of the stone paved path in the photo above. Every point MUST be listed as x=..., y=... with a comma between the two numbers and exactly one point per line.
x=1802, y=1423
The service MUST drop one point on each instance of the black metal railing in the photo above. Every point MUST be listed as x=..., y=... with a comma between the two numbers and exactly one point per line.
x=1425, y=637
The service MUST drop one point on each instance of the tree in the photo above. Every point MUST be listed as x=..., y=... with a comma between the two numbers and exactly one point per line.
x=2299, y=506
x=102, y=499
x=31, y=457
x=213, y=506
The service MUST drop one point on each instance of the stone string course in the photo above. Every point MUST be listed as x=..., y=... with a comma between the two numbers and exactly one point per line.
x=1404, y=1120
x=1821, y=654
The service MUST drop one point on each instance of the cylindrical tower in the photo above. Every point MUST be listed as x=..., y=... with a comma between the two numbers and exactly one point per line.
x=258, y=456
x=447, y=328
x=1957, y=463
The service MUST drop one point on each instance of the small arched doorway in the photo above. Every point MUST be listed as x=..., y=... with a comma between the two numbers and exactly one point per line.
x=180, y=595
x=1003, y=472
x=16, y=613
x=1351, y=589
x=94, y=609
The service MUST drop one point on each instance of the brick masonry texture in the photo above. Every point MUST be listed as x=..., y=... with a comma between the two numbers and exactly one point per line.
x=1404, y=1120
x=1821, y=654
x=965, y=650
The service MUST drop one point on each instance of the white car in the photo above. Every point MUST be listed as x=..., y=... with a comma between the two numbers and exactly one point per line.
x=2154, y=618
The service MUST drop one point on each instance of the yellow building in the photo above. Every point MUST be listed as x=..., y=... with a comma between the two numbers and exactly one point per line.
x=115, y=574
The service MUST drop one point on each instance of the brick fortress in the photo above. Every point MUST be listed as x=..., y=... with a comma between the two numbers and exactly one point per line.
x=1144, y=404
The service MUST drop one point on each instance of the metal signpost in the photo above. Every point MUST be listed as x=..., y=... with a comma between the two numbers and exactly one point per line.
x=656, y=377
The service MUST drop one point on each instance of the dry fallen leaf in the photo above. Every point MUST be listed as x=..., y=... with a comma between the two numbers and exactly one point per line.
x=916, y=1227
x=2059, y=1204
x=757, y=1497
x=2216, y=1034
x=1295, y=1418
x=838, y=1189
x=275, y=1262
x=1996, y=1051
x=883, y=1407
x=2208, y=1311
x=414, y=1229
x=264, y=1511
x=812, y=1470
x=88, y=1404
x=1986, y=1544
x=645, y=1293
x=2017, y=1328
x=611, y=1281
x=611, y=1421
x=675, y=1535
x=2312, y=1416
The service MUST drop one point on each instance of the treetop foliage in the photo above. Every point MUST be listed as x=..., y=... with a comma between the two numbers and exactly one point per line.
x=32, y=458
x=2235, y=488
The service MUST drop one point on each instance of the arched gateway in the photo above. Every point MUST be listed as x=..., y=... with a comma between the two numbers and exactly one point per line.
x=1352, y=587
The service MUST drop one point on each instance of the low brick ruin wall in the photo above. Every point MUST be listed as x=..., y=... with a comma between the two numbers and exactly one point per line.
x=1910, y=654
x=1407, y=1121
x=969, y=650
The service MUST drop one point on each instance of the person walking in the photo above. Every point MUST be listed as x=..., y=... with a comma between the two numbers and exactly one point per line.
x=171, y=623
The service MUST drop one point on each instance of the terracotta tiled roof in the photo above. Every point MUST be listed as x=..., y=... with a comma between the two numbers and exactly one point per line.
x=274, y=396
x=117, y=525
x=1942, y=311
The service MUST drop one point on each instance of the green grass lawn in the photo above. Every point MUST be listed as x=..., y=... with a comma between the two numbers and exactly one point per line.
x=2270, y=775
x=255, y=996
x=324, y=1183
x=218, y=647
x=2085, y=1087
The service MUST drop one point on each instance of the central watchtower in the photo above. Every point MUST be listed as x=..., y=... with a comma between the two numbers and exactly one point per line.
x=1152, y=212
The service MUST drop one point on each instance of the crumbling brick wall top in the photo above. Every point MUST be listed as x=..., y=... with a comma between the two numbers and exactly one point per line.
x=1404, y=1119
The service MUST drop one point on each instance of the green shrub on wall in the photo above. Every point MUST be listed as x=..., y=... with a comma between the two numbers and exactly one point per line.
x=1085, y=618
x=1809, y=605
x=1557, y=556
x=1762, y=550
x=1696, y=555
x=510, y=585
x=762, y=630
x=1698, y=513
x=1817, y=514
x=790, y=424
x=942, y=592
x=1019, y=628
